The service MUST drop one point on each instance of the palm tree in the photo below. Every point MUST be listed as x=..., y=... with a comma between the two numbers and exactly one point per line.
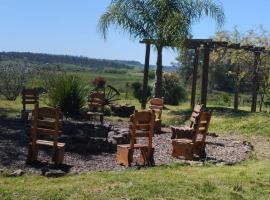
x=164, y=22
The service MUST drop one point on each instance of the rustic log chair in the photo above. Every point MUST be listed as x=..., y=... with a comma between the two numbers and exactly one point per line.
x=196, y=145
x=96, y=106
x=46, y=122
x=29, y=97
x=157, y=104
x=187, y=131
x=141, y=125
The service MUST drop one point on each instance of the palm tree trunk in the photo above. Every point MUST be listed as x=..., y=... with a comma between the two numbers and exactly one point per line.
x=158, y=84
x=194, y=78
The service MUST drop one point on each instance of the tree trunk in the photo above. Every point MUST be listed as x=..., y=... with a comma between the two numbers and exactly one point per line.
x=236, y=95
x=194, y=78
x=158, y=84
x=145, y=76
x=262, y=101
x=255, y=82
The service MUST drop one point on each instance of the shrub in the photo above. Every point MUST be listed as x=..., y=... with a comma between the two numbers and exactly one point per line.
x=137, y=91
x=69, y=94
x=151, y=74
x=173, y=91
x=12, y=79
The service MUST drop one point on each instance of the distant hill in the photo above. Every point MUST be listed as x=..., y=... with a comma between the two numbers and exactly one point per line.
x=71, y=62
x=75, y=61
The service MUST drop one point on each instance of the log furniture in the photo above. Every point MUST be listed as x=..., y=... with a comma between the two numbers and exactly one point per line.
x=46, y=123
x=96, y=106
x=29, y=97
x=186, y=148
x=157, y=104
x=187, y=131
x=141, y=126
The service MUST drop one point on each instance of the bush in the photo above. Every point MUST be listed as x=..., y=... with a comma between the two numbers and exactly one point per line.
x=69, y=94
x=137, y=91
x=173, y=91
x=12, y=79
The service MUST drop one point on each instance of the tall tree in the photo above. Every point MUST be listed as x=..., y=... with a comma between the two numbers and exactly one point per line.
x=165, y=22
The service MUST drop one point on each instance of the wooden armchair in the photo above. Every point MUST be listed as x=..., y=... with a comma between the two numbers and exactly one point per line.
x=29, y=97
x=141, y=125
x=196, y=145
x=46, y=122
x=157, y=104
x=187, y=131
x=96, y=106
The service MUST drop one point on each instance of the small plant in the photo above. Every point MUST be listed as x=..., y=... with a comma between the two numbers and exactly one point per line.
x=99, y=82
x=173, y=91
x=137, y=91
x=69, y=94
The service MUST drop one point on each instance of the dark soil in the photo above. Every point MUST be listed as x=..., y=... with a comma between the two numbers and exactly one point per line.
x=13, y=152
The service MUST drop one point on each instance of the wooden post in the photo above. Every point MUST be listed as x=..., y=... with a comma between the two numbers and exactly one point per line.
x=255, y=81
x=205, y=69
x=194, y=78
x=145, y=75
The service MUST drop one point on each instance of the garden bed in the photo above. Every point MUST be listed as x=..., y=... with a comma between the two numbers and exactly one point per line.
x=13, y=148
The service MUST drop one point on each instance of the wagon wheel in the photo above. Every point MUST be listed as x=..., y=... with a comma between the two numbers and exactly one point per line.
x=111, y=95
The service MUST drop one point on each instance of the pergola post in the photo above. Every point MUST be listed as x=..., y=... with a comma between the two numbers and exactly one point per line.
x=255, y=81
x=145, y=75
x=194, y=78
x=205, y=70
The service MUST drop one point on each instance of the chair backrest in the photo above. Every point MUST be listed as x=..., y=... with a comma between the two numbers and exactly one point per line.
x=29, y=96
x=195, y=113
x=142, y=122
x=201, y=126
x=48, y=121
x=96, y=101
x=157, y=105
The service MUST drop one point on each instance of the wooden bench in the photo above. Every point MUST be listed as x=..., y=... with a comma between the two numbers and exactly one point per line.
x=187, y=131
x=141, y=126
x=96, y=106
x=157, y=104
x=186, y=148
x=46, y=121
x=29, y=97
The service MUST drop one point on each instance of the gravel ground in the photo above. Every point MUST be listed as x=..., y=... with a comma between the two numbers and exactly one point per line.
x=13, y=155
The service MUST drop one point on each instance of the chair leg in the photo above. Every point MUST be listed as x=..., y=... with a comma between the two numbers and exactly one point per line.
x=58, y=156
x=32, y=153
x=146, y=157
x=182, y=150
x=124, y=156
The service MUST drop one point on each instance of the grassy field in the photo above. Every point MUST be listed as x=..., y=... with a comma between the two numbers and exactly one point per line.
x=247, y=180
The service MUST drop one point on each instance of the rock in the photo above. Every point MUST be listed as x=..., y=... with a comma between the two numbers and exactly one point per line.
x=54, y=173
x=16, y=173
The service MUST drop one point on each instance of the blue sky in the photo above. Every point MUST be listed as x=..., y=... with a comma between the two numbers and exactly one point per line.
x=70, y=27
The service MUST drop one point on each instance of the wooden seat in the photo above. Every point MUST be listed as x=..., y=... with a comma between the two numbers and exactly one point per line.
x=96, y=106
x=46, y=121
x=29, y=97
x=186, y=148
x=141, y=126
x=157, y=104
x=187, y=131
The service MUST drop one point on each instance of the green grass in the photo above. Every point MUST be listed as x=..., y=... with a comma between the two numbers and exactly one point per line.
x=246, y=181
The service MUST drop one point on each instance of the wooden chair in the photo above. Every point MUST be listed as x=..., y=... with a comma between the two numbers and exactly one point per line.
x=188, y=147
x=157, y=104
x=96, y=106
x=187, y=131
x=141, y=125
x=46, y=122
x=29, y=97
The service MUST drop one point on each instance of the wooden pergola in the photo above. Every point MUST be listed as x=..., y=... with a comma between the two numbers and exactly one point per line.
x=208, y=45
